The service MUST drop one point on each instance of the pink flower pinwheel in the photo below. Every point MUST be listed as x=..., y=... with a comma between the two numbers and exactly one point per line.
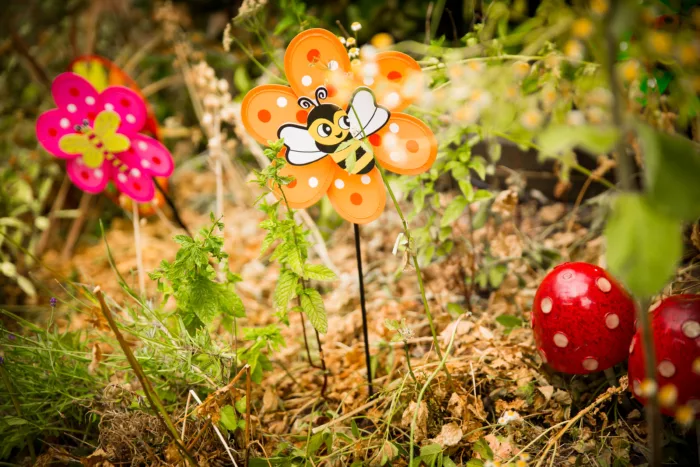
x=98, y=133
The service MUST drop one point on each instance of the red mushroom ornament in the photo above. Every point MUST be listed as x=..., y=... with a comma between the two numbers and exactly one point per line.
x=675, y=324
x=582, y=318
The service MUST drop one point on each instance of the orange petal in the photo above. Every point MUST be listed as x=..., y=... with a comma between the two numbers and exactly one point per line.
x=405, y=145
x=398, y=81
x=310, y=184
x=268, y=107
x=316, y=58
x=358, y=198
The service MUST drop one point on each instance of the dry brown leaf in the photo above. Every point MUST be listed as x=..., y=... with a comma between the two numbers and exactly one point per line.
x=456, y=406
x=546, y=391
x=462, y=328
x=552, y=213
x=96, y=358
x=450, y=435
x=505, y=202
x=502, y=450
x=421, y=431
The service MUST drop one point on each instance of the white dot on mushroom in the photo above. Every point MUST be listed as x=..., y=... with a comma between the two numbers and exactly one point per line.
x=590, y=364
x=691, y=329
x=603, y=284
x=546, y=305
x=666, y=369
x=612, y=321
x=560, y=340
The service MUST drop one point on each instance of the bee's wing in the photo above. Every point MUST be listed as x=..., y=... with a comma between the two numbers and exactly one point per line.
x=301, y=147
x=366, y=117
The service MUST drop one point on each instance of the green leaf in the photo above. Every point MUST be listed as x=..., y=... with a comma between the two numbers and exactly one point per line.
x=453, y=211
x=229, y=419
x=319, y=272
x=482, y=195
x=643, y=245
x=312, y=305
x=430, y=450
x=354, y=429
x=240, y=405
x=294, y=261
x=557, y=139
x=26, y=285
x=284, y=292
x=475, y=463
x=671, y=172
x=478, y=165
x=510, y=321
x=482, y=448
x=314, y=443
x=467, y=189
x=447, y=462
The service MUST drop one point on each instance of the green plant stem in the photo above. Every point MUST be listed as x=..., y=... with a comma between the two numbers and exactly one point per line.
x=10, y=390
x=419, y=275
x=443, y=360
x=408, y=362
x=151, y=394
x=624, y=172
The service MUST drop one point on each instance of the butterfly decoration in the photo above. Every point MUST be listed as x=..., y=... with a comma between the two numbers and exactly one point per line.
x=337, y=118
x=99, y=134
x=101, y=73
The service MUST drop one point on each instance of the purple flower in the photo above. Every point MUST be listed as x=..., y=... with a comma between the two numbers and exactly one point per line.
x=53, y=302
x=11, y=337
x=2, y=360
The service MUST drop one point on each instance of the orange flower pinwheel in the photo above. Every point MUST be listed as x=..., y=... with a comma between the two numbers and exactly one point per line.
x=335, y=112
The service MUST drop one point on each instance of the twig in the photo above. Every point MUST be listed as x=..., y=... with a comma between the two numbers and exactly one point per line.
x=161, y=84
x=323, y=364
x=428, y=15
x=137, y=245
x=363, y=309
x=151, y=394
x=216, y=429
x=77, y=226
x=55, y=207
x=342, y=418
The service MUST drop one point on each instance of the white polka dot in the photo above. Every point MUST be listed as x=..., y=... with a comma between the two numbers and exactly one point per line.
x=590, y=364
x=392, y=99
x=121, y=177
x=396, y=156
x=135, y=172
x=65, y=123
x=109, y=106
x=390, y=141
x=567, y=275
x=365, y=179
x=145, y=164
x=560, y=340
x=306, y=80
x=313, y=182
x=612, y=321
x=339, y=184
x=691, y=329
x=546, y=305
x=130, y=118
x=603, y=284
x=281, y=102
x=543, y=355
x=666, y=368
x=332, y=65
x=89, y=100
x=394, y=128
x=79, y=161
x=637, y=387
x=72, y=108
x=142, y=145
x=98, y=173
x=368, y=81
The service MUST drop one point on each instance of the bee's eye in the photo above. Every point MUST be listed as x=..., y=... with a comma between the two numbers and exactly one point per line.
x=85, y=122
x=77, y=128
x=324, y=130
x=344, y=123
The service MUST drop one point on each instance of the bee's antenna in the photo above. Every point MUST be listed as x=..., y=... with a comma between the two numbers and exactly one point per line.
x=306, y=103
x=321, y=93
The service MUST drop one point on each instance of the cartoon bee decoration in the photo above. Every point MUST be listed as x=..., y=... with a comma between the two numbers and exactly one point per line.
x=336, y=132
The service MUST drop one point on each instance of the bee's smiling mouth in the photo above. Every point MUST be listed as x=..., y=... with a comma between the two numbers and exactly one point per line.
x=339, y=135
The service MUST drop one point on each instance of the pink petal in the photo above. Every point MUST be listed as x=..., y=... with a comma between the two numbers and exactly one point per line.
x=152, y=155
x=86, y=178
x=75, y=96
x=51, y=126
x=128, y=104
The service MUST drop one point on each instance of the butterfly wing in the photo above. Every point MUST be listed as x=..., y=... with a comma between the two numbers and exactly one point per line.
x=365, y=116
x=266, y=108
x=131, y=178
x=127, y=104
x=92, y=69
x=89, y=179
x=78, y=144
x=301, y=147
x=105, y=128
x=152, y=155
x=405, y=145
x=310, y=182
x=357, y=198
x=316, y=58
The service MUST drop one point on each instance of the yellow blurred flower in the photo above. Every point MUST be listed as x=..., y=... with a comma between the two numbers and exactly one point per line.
x=599, y=7
x=685, y=415
x=696, y=83
x=696, y=366
x=582, y=28
x=382, y=40
x=661, y=42
x=573, y=49
x=467, y=114
x=648, y=388
x=511, y=92
x=549, y=95
x=668, y=395
x=350, y=42
x=455, y=71
x=521, y=68
x=476, y=66
x=531, y=119
x=355, y=26
x=629, y=70
x=688, y=54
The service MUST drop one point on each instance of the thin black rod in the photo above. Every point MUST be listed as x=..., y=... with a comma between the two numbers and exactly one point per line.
x=173, y=208
x=368, y=359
